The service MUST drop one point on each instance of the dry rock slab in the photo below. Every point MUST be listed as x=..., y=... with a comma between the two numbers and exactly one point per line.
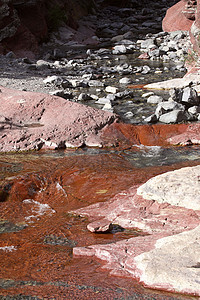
x=173, y=264
x=179, y=188
x=174, y=83
x=34, y=120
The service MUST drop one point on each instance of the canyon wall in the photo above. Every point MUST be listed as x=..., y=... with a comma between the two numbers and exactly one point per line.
x=26, y=23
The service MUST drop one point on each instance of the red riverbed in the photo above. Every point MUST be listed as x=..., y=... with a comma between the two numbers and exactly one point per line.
x=40, y=262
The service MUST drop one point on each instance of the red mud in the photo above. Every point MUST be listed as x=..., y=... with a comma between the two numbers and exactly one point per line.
x=38, y=266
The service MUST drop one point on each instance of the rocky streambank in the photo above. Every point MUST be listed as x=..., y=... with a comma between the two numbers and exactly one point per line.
x=88, y=88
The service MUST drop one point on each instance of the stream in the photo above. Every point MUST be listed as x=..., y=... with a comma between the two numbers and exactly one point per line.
x=39, y=189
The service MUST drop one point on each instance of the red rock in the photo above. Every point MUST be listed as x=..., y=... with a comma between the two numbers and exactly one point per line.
x=149, y=135
x=131, y=211
x=175, y=19
x=144, y=56
x=189, y=137
x=34, y=120
x=23, y=43
x=100, y=226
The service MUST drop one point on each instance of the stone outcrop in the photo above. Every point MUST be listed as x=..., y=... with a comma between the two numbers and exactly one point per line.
x=32, y=121
x=176, y=188
x=171, y=227
x=176, y=266
x=180, y=16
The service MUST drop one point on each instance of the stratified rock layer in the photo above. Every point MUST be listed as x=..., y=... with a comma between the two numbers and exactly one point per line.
x=173, y=233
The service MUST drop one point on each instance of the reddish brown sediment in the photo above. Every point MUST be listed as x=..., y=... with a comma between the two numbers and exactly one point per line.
x=42, y=263
x=149, y=135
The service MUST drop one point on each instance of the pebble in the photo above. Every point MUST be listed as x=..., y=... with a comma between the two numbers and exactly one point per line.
x=125, y=80
x=111, y=89
x=154, y=99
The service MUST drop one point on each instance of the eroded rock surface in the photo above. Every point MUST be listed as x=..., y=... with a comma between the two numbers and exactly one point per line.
x=33, y=120
x=172, y=232
x=178, y=17
x=173, y=264
x=180, y=188
x=189, y=137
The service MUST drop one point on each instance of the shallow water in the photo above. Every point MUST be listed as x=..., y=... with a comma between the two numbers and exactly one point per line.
x=136, y=104
x=38, y=232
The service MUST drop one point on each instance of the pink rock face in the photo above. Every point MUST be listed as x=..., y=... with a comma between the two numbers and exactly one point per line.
x=144, y=56
x=33, y=121
x=129, y=210
x=175, y=19
x=190, y=137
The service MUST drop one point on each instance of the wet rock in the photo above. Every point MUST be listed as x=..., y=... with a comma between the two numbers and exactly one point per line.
x=188, y=137
x=173, y=232
x=101, y=226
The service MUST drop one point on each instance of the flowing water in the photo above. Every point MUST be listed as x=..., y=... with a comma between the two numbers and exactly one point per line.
x=38, y=232
x=39, y=189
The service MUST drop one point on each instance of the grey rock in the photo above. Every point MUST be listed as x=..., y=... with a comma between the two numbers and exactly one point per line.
x=146, y=69
x=125, y=80
x=62, y=93
x=176, y=94
x=103, y=101
x=174, y=116
x=154, y=52
x=154, y=99
x=96, y=83
x=151, y=119
x=11, y=54
x=84, y=97
x=52, y=79
x=167, y=106
x=42, y=65
x=194, y=110
x=190, y=97
x=66, y=84
x=119, y=49
x=128, y=114
x=146, y=43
